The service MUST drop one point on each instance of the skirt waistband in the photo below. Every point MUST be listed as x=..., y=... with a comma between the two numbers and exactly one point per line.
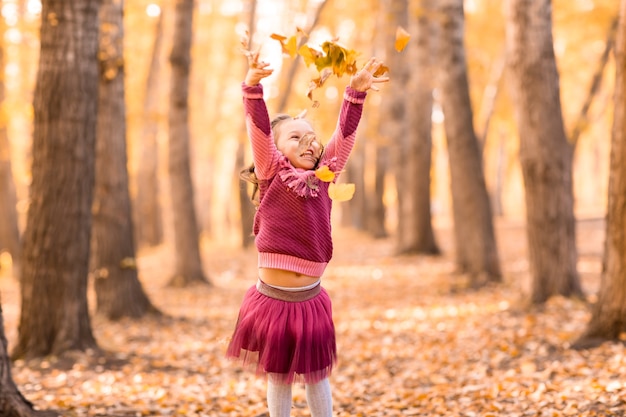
x=291, y=296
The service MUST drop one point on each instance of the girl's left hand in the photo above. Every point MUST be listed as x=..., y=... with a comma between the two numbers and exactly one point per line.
x=257, y=70
x=364, y=79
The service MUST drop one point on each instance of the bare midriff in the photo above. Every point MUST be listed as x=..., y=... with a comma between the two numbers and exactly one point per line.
x=284, y=278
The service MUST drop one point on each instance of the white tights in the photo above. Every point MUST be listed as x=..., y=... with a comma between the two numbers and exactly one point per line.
x=318, y=397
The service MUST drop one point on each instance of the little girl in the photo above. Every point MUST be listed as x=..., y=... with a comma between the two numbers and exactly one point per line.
x=285, y=324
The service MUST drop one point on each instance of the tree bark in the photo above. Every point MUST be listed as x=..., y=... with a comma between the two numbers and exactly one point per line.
x=394, y=113
x=54, y=315
x=12, y=402
x=376, y=210
x=353, y=212
x=147, y=206
x=9, y=229
x=118, y=290
x=545, y=154
x=608, y=318
x=246, y=206
x=476, y=250
x=186, y=232
x=418, y=236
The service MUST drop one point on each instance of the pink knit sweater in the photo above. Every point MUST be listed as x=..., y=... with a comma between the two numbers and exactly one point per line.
x=292, y=223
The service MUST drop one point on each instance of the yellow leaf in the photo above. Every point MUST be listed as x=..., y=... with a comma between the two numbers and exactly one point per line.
x=291, y=46
x=308, y=54
x=402, y=38
x=325, y=174
x=340, y=192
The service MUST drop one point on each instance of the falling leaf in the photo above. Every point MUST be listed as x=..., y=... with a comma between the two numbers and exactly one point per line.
x=305, y=142
x=339, y=59
x=308, y=54
x=381, y=71
x=402, y=38
x=289, y=45
x=331, y=59
x=318, y=82
x=340, y=192
x=324, y=173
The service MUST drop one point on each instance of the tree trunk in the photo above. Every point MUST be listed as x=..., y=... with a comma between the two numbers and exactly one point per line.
x=186, y=232
x=353, y=212
x=394, y=113
x=118, y=290
x=608, y=319
x=418, y=236
x=376, y=211
x=9, y=229
x=54, y=315
x=147, y=206
x=12, y=402
x=545, y=154
x=476, y=250
x=582, y=122
x=245, y=204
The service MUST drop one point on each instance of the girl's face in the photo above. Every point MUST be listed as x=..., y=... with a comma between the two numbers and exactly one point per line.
x=296, y=140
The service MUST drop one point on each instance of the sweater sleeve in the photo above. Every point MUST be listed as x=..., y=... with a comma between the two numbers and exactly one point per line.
x=342, y=140
x=264, y=152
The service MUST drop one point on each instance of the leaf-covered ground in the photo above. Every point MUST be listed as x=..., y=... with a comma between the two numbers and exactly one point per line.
x=413, y=341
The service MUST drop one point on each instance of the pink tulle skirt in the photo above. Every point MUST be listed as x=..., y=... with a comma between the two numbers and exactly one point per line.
x=288, y=334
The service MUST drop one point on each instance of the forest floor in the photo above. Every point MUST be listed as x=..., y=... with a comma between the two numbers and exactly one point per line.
x=412, y=341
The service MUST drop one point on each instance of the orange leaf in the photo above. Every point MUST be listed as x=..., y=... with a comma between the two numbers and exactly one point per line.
x=402, y=38
x=381, y=70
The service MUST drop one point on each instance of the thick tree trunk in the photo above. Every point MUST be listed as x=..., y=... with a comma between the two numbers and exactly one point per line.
x=186, y=232
x=545, y=154
x=608, y=320
x=147, y=206
x=419, y=236
x=118, y=290
x=54, y=315
x=9, y=229
x=476, y=250
x=12, y=402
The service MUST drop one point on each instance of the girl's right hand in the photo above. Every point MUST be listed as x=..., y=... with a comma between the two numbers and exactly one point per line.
x=256, y=70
